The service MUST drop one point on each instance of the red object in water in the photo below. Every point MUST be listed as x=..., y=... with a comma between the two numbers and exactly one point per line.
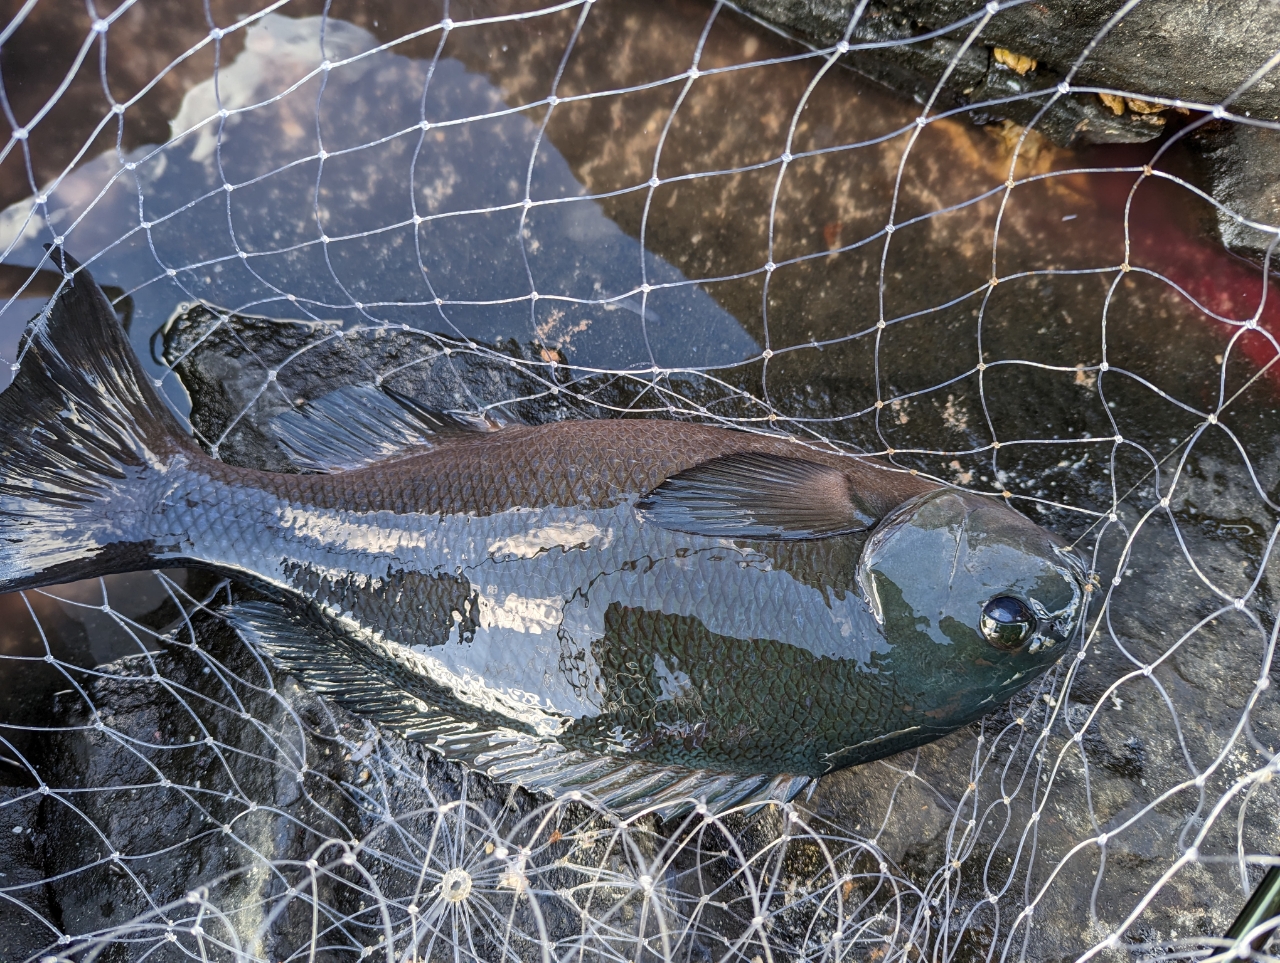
x=1227, y=289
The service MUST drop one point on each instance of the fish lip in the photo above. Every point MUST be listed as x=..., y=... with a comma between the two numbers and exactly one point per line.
x=1077, y=573
x=1079, y=568
x=1060, y=626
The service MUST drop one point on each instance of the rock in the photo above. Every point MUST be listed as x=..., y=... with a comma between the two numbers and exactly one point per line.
x=972, y=74
x=1170, y=50
x=189, y=789
x=224, y=363
x=1197, y=52
x=24, y=929
x=1240, y=168
x=1194, y=52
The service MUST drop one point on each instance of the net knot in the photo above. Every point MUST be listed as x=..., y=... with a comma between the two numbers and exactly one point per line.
x=455, y=885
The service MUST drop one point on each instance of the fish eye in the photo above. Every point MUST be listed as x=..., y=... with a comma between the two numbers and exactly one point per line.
x=1007, y=622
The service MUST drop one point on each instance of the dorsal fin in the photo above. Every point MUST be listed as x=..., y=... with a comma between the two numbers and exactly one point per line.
x=360, y=424
x=758, y=496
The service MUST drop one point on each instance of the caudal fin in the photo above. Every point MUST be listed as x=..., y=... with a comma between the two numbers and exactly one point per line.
x=79, y=427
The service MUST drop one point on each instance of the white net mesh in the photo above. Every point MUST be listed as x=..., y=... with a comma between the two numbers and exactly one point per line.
x=666, y=210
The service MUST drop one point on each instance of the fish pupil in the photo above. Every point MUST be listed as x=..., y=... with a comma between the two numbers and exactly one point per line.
x=1007, y=622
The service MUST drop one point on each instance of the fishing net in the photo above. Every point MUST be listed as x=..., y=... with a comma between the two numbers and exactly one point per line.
x=658, y=210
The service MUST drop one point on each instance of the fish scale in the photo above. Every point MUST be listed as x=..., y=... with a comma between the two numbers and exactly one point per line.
x=640, y=608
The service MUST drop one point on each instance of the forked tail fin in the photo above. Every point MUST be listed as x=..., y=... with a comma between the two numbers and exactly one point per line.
x=80, y=428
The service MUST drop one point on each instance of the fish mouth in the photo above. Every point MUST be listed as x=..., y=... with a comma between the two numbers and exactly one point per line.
x=1076, y=572
x=1061, y=625
x=1077, y=566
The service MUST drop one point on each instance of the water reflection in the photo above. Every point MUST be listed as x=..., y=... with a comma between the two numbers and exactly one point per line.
x=355, y=194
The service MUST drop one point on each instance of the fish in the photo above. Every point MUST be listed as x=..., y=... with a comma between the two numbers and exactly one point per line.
x=649, y=611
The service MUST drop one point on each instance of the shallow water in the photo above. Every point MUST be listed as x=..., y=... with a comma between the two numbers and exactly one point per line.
x=775, y=180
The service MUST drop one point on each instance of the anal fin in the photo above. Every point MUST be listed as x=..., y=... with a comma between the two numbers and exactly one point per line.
x=379, y=682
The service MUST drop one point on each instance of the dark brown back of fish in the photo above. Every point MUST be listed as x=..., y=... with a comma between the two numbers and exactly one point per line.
x=588, y=463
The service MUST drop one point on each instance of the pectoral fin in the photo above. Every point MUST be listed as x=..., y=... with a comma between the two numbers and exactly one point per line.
x=758, y=496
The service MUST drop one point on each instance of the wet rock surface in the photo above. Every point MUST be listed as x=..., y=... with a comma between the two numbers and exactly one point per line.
x=192, y=789
x=952, y=69
x=1240, y=166
x=1198, y=53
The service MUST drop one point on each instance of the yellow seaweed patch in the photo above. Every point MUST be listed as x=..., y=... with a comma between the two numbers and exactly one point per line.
x=1018, y=63
x=1114, y=101
x=1143, y=106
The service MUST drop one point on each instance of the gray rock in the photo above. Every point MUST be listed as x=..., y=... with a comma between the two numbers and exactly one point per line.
x=23, y=924
x=225, y=368
x=1240, y=167
x=196, y=798
x=1194, y=52
x=1191, y=51
x=1202, y=54
x=960, y=73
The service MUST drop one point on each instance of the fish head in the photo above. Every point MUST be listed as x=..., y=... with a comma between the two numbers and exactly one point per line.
x=974, y=599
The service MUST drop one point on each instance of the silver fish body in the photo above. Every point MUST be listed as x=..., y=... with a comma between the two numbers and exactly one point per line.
x=643, y=609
